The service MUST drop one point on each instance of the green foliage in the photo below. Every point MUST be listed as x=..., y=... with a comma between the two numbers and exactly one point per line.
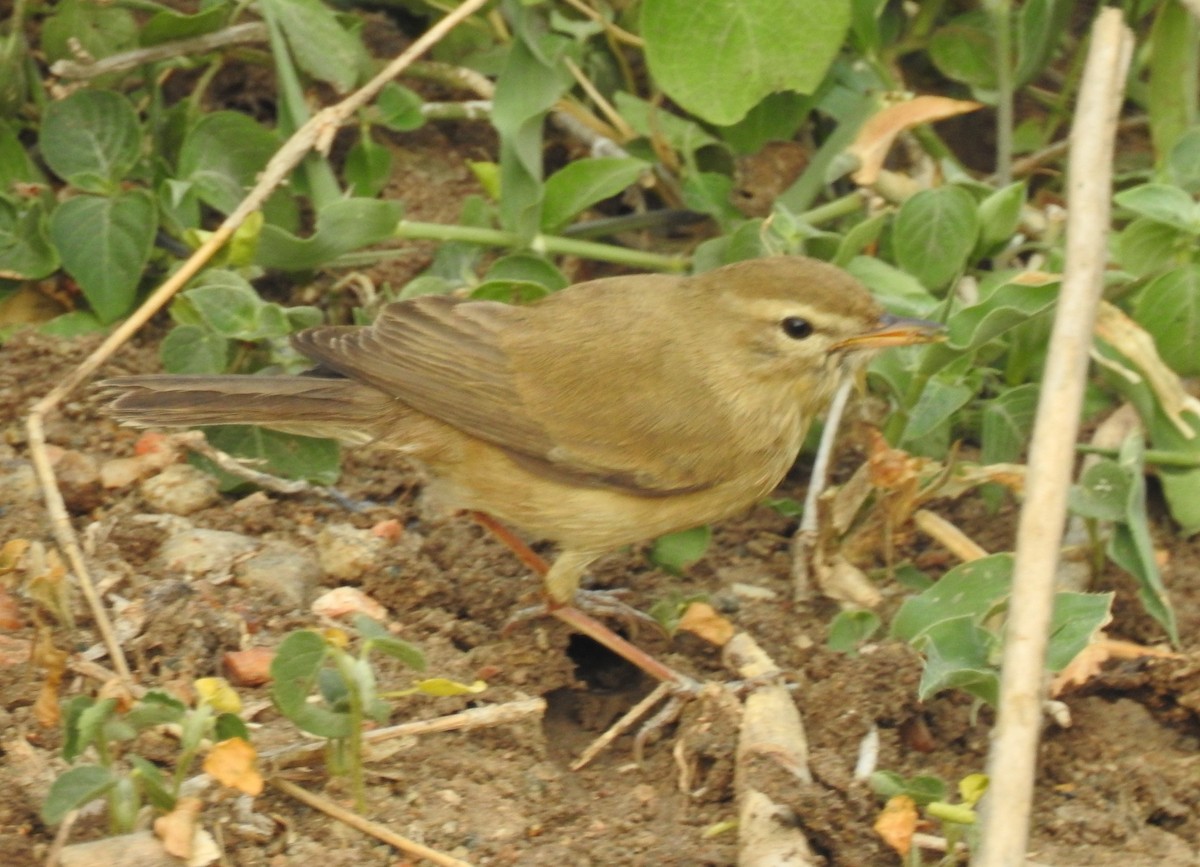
x=125, y=779
x=676, y=551
x=330, y=692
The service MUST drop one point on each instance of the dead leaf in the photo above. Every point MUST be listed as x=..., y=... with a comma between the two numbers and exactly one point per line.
x=1089, y=661
x=897, y=823
x=10, y=611
x=177, y=829
x=233, y=763
x=702, y=619
x=46, y=656
x=11, y=554
x=877, y=135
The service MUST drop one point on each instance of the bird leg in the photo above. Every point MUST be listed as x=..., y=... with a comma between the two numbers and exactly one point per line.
x=577, y=619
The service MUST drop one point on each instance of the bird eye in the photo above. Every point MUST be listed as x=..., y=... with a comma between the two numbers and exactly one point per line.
x=796, y=327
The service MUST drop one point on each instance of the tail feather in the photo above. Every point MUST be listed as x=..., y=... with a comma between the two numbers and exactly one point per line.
x=314, y=406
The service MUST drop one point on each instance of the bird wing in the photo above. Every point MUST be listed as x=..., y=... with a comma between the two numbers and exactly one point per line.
x=450, y=359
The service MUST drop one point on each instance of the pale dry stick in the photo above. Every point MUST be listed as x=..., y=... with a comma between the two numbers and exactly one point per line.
x=806, y=533
x=771, y=728
x=622, y=725
x=1013, y=755
x=374, y=829
x=951, y=537
x=238, y=34
x=467, y=720
x=316, y=133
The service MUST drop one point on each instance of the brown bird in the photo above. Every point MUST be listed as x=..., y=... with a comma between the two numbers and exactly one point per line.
x=610, y=412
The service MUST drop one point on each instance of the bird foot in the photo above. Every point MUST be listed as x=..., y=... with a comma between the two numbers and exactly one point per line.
x=597, y=603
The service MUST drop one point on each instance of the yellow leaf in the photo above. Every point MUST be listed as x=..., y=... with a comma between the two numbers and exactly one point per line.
x=218, y=694
x=233, y=763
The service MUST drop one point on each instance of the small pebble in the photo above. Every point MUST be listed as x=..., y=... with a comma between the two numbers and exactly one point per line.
x=347, y=552
x=280, y=570
x=181, y=489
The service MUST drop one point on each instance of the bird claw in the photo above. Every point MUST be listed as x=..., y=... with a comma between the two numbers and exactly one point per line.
x=673, y=696
x=597, y=603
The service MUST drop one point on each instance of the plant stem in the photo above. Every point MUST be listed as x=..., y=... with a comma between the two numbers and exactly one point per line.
x=547, y=244
x=1159, y=457
x=1001, y=12
x=850, y=203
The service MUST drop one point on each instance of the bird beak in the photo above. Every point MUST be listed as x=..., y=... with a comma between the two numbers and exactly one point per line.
x=895, y=331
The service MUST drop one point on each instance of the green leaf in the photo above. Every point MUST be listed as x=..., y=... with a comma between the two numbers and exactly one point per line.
x=75, y=738
x=152, y=782
x=1008, y=306
x=776, y=118
x=400, y=108
x=73, y=324
x=862, y=235
x=675, y=551
x=938, y=403
x=530, y=83
x=958, y=655
x=1073, y=626
x=195, y=349
x=230, y=307
x=343, y=226
x=398, y=649
x=1171, y=92
x=964, y=50
x=167, y=25
x=155, y=708
x=971, y=589
x=1183, y=163
x=222, y=156
x=934, y=234
x=104, y=243
x=73, y=789
x=294, y=672
x=719, y=58
x=1102, y=492
x=96, y=29
x=320, y=45
x=90, y=139
x=1163, y=204
x=25, y=249
x=999, y=216
x=1007, y=423
x=648, y=120
x=582, y=183
x=1040, y=26
x=851, y=628
x=230, y=725
x=924, y=789
x=529, y=268
x=1147, y=246
x=288, y=455
x=1169, y=308
x=368, y=167
x=901, y=293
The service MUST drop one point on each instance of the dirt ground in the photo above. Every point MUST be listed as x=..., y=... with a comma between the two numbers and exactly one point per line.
x=1120, y=786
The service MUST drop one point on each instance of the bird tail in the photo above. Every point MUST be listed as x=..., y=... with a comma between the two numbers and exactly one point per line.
x=317, y=406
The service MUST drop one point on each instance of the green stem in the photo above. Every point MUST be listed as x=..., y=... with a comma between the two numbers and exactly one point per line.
x=548, y=244
x=848, y=204
x=1159, y=457
x=1001, y=12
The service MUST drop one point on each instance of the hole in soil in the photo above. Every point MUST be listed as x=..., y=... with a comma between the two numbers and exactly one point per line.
x=599, y=667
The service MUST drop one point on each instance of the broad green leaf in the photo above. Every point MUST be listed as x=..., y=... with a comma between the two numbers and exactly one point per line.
x=16, y=166
x=25, y=249
x=1007, y=424
x=1163, y=204
x=959, y=655
x=321, y=46
x=1102, y=493
x=400, y=108
x=1010, y=305
x=972, y=589
x=294, y=672
x=72, y=324
x=675, y=551
x=999, y=216
x=368, y=167
x=73, y=788
x=1183, y=163
x=964, y=49
x=195, y=349
x=648, y=120
x=934, y=234
x=862, y=235
x=223, y=155
x=719, y=58
x=582, y=183
x=1040, y=27
x=155, y=708
x=1169, y=308
x=711, y=193
x=104, y=243
x=900, y=292
x=529, y=268
x=343, y=226
x=1174, y=65
x=1147, y=246
x=530, y=83
x=1076, y=620
x=90, y=139
x=938, y=403
x=922, y=788
x=230, y=725
x=97, y=29
x=75, y=738
x=851, y=628
x=776, y=118
x=287, y=455
x=229, y=306
x=401, y=650
x=167, y=25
